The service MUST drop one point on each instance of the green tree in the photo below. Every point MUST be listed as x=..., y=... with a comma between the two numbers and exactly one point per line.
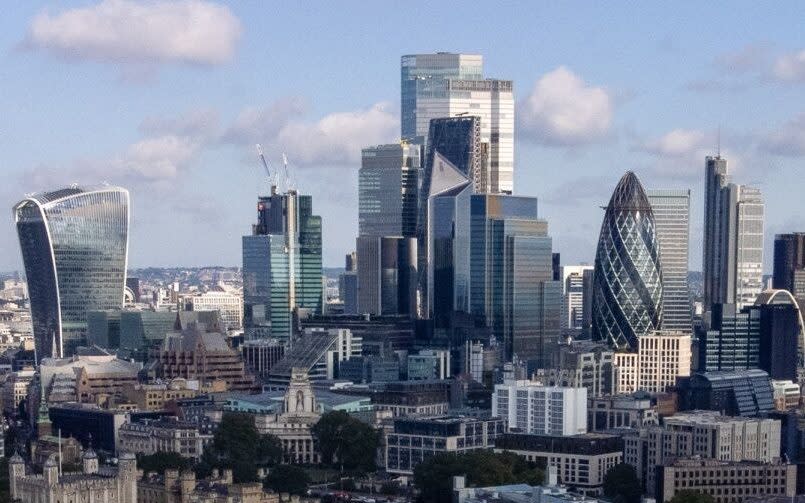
x=161, y=461
x=238, y=445
x=622, y=485
x=434, y=476
x=287, y=479
x=688, y=496
x=347, y=441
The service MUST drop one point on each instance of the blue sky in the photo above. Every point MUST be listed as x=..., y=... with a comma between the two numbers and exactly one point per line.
x=168, y=99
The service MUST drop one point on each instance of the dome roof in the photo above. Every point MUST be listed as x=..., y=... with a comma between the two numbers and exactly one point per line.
x=629, y=194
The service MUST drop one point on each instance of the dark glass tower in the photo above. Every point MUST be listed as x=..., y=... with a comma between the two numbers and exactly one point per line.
x=789, y=263
x=627, y=283
x=74, y=244
x=281, y=265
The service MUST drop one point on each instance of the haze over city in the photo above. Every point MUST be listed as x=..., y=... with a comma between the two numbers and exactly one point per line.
x=172, y=108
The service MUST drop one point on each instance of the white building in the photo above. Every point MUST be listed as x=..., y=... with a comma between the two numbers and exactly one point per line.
x=706, y=434
x=163, y=435
x=573, y=296
x=786, y=394
x=531, y=407
x=228, y=303
x=661, y=357
x=448, y=85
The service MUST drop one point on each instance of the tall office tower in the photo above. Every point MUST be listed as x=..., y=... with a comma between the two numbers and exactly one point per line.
x=742, y=277
x=587, y=305
x=387, y=190
x=510, y=274
x=789, y=263
x=572, y=278
x=733, y=239
x=627, y=283
x=671, y=210
x=387, y=275
x=74, y=244
x=715, y=179
x=282, y=270
x=449, y=85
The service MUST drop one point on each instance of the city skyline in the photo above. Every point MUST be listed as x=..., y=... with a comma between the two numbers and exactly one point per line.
x=182, y=123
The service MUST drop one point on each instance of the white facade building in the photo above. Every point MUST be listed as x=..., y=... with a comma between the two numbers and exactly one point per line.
x=573, y=296
x=531, y=407
x=229, y=304
x=448, y=85
x=661, y=357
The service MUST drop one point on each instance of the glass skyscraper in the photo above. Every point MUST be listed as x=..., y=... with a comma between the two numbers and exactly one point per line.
x=449, y=85
x=671, y=210
x=74, y=244
x=733, y=239
x=282, y=269
x=387, y=275
x=387, y=190
x=789, y=263
x=627, y=283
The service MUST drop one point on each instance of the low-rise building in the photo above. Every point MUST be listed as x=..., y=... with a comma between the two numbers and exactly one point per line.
x=202, y=354
x=530, y=407
x=92, y=376
x=550, y=492
x=787, y=395
x=580, y=364
x=417, y=439
x=154, y=396
x=733, y=393
x=94, y=483
x=417, y=398
x=429, y=364
x=621, y=411
x=150, y=436
x=318, y=353
x=15, y=390
x=726, y=481
x=581, y=461
x=701, y=433
x=661, y=358
x=292, y=426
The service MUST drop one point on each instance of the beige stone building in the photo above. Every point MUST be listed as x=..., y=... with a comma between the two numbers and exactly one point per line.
x=660, y=358
x=94, y=484
x=150, y=436
x=153, y=397
x=173, y=487
x=299, y=413
x=726, y=482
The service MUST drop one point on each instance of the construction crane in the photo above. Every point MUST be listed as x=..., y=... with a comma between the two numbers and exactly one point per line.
x=288, y=184
x=265, y=164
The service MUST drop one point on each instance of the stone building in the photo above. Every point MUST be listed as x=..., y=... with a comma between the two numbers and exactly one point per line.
x=95, y=484
x=150, y=436
x=299, y=413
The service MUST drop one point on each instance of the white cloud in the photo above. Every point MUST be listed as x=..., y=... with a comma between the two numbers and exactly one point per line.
x=139, y=33
x=564, y=110
x=260, y=124
x=678, y=143
x=156, y=159
x=790, y=67
x=788, y=140
x=335, y=139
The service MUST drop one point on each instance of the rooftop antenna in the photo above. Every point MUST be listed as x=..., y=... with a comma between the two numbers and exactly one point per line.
x=719, y=141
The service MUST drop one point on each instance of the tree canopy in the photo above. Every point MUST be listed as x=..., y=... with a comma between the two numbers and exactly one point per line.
x=287, y=479
x=344, y=440
x=161, y=461
x=622, y=485
x=688, y=496
x=434, y=476
x=238, y=445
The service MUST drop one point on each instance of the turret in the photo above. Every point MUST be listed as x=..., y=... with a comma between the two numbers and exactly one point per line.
x=16, y=470
x=50, y=471
x=90, y=462
x=188, y=485
x=127, y=477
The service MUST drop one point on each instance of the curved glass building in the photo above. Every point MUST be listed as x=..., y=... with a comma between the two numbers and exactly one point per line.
x=627, y=282
x=74, y=244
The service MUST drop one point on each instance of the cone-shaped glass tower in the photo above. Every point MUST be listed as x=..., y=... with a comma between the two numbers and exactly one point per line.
x=627, y=283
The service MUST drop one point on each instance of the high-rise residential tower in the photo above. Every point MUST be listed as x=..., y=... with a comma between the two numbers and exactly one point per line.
x=449, y=85
x=282, y=270
x=789, y=263
x=74, y=244
x=387, y=190
x=671, y=210
x=627, y=284
x=733, y=239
